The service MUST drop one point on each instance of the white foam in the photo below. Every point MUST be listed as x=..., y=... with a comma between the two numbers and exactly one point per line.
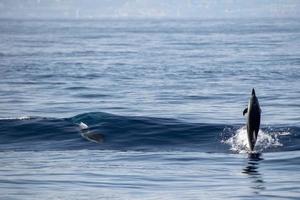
x=285, y=133
x=24, y=118
x=14, y=118
x=265, y=140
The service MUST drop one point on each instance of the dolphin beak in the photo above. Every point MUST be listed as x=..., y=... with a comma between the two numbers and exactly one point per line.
x=253, y=92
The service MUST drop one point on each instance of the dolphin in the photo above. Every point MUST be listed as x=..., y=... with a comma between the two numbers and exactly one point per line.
x=253, y=120
x=87, y=134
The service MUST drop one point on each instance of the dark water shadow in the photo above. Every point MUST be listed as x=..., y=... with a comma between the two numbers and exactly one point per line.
x=252, y=170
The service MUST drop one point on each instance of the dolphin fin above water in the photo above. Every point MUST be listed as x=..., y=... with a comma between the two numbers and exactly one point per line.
x=245, y=111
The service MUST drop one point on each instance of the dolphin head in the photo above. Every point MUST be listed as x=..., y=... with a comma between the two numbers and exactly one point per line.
x=253, y=99
x=253, y=92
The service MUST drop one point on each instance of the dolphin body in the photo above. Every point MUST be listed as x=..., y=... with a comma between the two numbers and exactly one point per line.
x=253, y=120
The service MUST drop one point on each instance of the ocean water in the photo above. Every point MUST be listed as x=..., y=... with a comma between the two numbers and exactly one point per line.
x=148, y=109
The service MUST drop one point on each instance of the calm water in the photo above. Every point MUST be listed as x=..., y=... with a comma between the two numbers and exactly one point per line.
x=148, y=109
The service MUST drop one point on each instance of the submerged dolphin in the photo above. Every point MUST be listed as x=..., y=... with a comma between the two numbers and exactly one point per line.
x=87, y=134
x=253, y=121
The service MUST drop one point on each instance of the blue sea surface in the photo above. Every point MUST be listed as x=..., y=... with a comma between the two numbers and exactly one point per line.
x=148, y=109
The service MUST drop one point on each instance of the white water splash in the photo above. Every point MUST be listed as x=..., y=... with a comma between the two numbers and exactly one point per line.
x=265, y=140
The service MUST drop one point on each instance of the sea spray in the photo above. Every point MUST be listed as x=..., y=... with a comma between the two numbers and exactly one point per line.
x=266, y=139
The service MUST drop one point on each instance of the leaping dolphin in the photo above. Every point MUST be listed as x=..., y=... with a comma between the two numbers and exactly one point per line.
x=253, y=120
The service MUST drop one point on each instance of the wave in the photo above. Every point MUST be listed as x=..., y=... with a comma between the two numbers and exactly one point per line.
x=106, y=131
